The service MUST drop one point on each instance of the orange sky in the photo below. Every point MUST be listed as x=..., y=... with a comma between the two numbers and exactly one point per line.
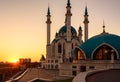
x=23, y=27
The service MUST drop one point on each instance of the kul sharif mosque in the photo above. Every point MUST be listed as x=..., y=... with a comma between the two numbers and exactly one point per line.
x=70, y=55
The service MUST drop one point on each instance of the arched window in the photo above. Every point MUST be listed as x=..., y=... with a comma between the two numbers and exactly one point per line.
x=104, y=52
x=78, y=55
x=59, y=48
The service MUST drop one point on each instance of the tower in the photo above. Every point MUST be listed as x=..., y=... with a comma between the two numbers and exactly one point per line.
x=68, y=27
x=48, y=22
x=68, y=20
x=86, y=21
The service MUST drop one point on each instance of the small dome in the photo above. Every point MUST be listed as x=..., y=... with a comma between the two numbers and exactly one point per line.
x=80, y=28
x=64, y=30
x=92, y=43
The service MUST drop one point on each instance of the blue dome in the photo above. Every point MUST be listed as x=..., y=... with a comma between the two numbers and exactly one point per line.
x=64, y=30
x=92, y=43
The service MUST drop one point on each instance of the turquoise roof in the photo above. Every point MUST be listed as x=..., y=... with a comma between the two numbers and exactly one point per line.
x=110, y=39
x=64, y=29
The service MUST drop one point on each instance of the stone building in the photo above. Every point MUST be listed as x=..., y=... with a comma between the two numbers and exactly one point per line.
x=68, y=53
x=61, y=48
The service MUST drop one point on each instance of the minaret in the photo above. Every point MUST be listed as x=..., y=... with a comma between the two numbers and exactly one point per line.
x=80, y=34
x=48, y=32
x=68, y=27
x=86, y=21
x=68, y=20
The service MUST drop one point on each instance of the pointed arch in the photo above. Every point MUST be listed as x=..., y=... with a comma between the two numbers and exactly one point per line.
x=79, y=54
x=103, y=52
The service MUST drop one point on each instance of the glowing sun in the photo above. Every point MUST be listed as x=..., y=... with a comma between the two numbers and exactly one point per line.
x=14, y=61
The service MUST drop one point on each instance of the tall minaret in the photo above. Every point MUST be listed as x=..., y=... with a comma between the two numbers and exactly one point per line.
x=68, y=27
x=86, y=21
x=48, y=32
x=68, y=20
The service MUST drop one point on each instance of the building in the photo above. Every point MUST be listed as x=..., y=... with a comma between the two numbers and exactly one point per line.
x=68, y=53
x=65, y=41
x=42, y=61
x=24, y=60
x=24, y=63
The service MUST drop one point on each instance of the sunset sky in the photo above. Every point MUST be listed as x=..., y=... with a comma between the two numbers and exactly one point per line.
x=23, y=27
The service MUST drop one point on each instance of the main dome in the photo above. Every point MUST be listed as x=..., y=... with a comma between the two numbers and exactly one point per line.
x=64, y=29
x=91, y=44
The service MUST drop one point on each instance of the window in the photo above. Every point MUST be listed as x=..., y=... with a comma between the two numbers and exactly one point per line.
x=52, y=66
x=80, y=56
x=72, y=46
x=104, y=53
x=56, y=66
x=48, y=66
x=74, y=73
x=56, y=61
x=91, y=67
x=74, y=66
x=82, y=68
x=52, y=61
x=59, y=48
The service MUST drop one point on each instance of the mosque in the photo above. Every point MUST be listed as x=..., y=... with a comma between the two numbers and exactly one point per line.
x=70, y=55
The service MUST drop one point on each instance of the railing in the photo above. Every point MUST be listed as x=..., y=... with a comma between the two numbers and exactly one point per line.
x=17, y=76
x=97, y=61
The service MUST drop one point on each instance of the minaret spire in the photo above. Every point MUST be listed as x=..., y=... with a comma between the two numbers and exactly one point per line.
x=48, y=13
x=48, y=22
x=104, y=32
x=86, y=11
x=68, y=3
x=86, y=21
x=104, y=27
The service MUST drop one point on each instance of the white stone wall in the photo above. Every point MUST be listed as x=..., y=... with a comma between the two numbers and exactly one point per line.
x=51, y=63
x=66, y=69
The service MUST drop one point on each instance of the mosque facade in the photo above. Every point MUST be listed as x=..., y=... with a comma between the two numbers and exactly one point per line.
x=70, y=55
